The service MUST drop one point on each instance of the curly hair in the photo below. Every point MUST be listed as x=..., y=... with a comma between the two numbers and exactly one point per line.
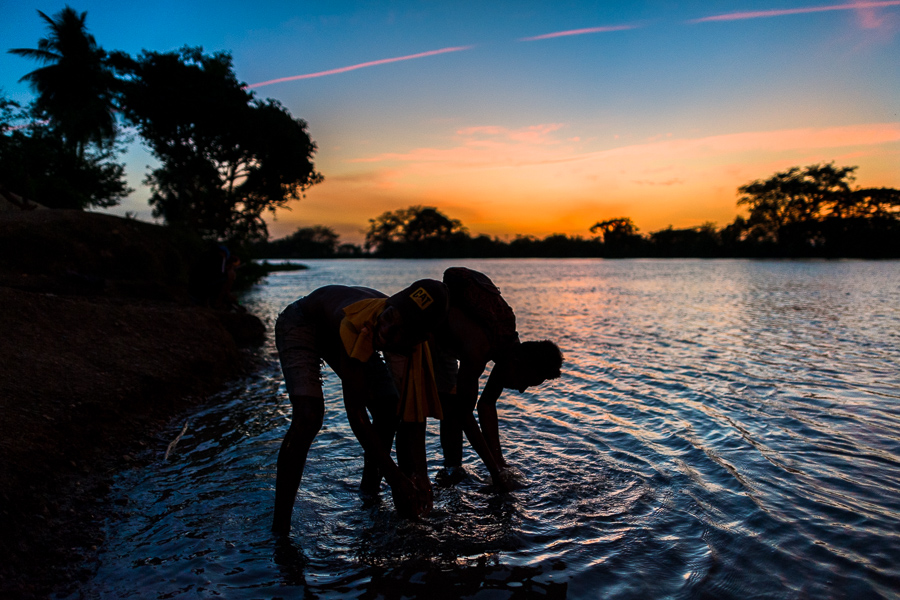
x=543, y=357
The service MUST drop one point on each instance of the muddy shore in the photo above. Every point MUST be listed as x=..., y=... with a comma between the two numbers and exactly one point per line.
x=101, y=347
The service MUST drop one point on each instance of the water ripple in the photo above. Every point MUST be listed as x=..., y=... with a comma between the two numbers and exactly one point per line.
x=723, y=429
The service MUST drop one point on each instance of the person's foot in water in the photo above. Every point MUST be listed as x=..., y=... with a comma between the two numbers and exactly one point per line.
x=449, y=476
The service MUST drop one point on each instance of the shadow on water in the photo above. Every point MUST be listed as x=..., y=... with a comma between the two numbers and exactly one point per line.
x=483, y=576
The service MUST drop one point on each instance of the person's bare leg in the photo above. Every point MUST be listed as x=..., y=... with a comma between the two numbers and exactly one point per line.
x=308, y=413
x=451, y=431
x=384, y=420
x=412, y=462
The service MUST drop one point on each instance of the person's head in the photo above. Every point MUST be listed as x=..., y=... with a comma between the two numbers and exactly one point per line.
x=410, y=315
x=531, y=364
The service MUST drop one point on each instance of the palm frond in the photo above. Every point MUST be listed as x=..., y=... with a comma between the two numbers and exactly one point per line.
x=43, y=56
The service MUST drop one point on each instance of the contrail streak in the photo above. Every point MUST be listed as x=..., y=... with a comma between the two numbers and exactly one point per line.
x=373, y=63
x=796, y=11
x=557, y=34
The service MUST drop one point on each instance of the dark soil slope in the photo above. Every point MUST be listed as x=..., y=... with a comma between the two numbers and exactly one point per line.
x=99, y=347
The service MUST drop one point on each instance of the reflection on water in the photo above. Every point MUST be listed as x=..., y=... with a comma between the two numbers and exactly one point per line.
x=722, y=429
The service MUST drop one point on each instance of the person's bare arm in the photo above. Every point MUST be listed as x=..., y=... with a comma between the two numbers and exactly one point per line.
x=467, y=395
x=487, y=415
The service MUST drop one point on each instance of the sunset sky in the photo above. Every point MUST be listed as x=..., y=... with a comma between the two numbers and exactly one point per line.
x=535, y=117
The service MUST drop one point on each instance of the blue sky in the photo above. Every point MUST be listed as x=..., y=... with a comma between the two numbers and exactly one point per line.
x=628, y=109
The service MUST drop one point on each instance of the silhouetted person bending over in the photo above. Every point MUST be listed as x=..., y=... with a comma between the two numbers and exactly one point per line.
x=481, y=327
x=346, y=327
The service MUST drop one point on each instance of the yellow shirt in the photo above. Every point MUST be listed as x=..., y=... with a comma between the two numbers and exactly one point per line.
x=419, y=397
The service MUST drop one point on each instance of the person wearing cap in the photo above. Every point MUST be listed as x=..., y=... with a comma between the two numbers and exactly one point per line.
x=464, y=344
x=347, y=327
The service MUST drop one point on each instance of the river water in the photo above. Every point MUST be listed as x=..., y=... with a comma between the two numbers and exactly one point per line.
x=722, y=429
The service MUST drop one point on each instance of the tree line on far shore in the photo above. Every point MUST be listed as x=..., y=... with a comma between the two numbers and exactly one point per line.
x=801, y=212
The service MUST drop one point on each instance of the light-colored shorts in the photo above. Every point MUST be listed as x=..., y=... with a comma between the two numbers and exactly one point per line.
x=301, y=360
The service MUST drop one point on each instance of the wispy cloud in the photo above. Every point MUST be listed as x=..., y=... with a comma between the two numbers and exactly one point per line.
x=745, y=143
x=667, y=182
x=871, y=18
x=547, y=36
x=501, y=148
x=483, y=146
x=533, y=134
x=364, y=65
x=758, y=14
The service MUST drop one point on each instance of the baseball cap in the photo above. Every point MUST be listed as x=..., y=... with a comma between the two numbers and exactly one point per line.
x=423, y=304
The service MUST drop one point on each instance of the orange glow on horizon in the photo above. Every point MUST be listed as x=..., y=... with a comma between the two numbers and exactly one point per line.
x=539, y=180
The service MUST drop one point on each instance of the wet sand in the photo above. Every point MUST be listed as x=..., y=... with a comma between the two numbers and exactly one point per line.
x=100, y=348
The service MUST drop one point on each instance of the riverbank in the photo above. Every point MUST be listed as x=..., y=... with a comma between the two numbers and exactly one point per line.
x=101, y=348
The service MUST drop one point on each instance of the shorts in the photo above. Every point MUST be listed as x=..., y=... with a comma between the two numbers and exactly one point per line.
x=446, y=369
x=301, y=361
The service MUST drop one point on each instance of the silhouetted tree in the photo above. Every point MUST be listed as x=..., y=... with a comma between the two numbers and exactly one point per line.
x=225, y=157
x=62, y=153
x=317, y=241
x=733, y=238
x=36, y=163
x=614, y=228
x=482, y=246
x=11, y=117
x=348, y=250
x=620, y=237
x=523, y=246
x=429, y=223
x=869, y=203
x=814, y=212
x=414, y=231
x=8, y=109
x=76, y=87
x=794, y=196
x=703, y=241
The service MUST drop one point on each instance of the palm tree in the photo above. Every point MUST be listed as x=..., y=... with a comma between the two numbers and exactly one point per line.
x=76, y=87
